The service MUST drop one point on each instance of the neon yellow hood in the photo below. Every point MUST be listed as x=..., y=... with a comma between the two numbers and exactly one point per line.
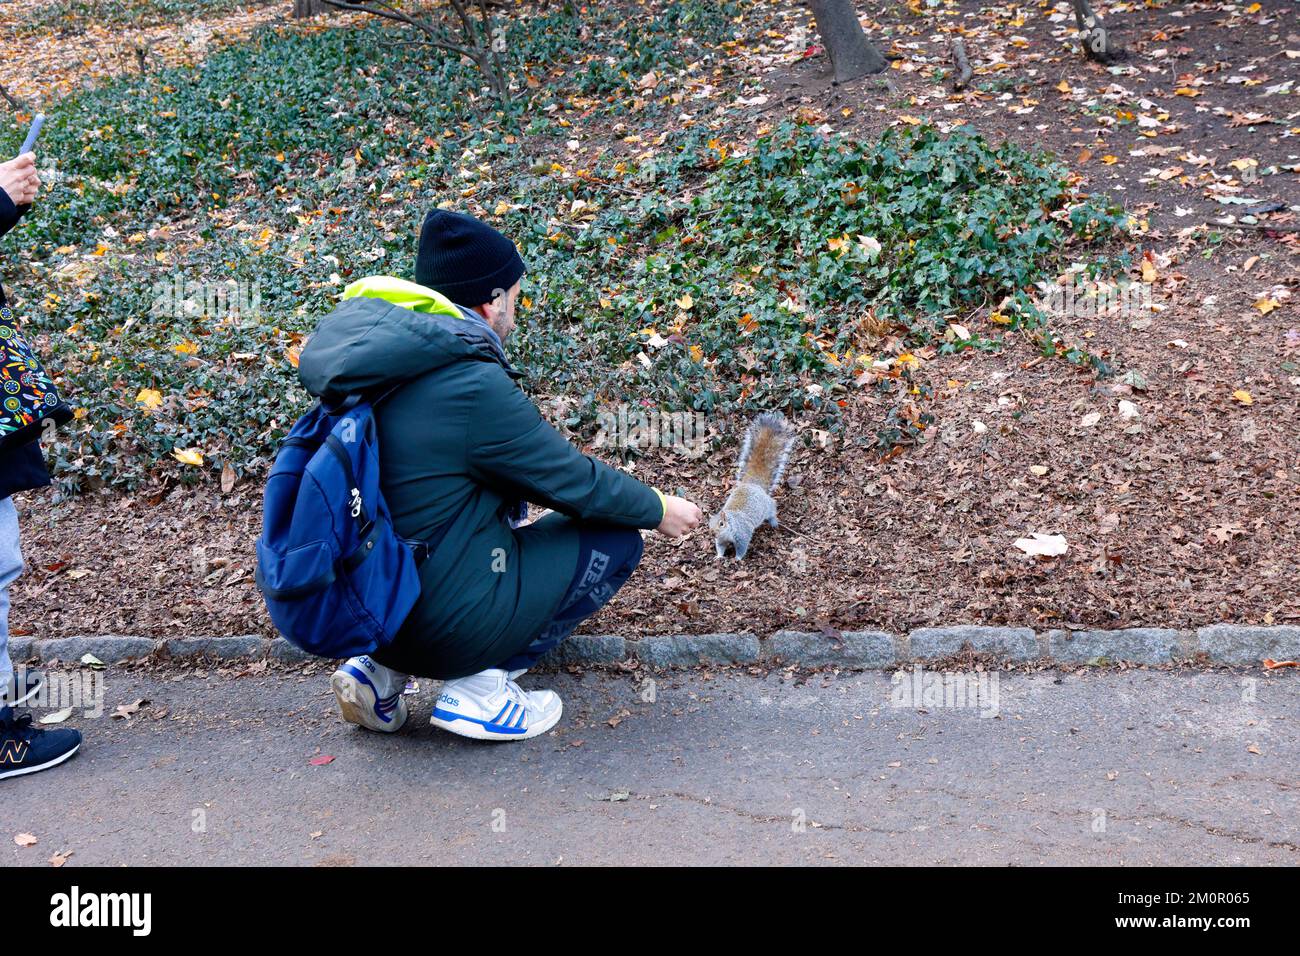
x=387, y=331
x=406, y=294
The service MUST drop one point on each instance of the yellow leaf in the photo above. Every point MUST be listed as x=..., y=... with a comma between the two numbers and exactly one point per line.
x=1110, y=160
x=186, y=348
x=685, y=302
x=697, y=353
x=149, y=398
x=1064, y=86
x=1243, y=396
x=1266, y=305
x=1149, y=273
x=188, y=456
x=909, y=120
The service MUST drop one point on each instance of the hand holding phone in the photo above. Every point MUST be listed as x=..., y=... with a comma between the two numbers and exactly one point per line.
x=19, y=179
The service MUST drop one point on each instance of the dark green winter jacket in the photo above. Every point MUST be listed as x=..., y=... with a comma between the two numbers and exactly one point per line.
x=460, y=444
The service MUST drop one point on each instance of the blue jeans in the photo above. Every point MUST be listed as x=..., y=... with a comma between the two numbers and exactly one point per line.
x=11, y=565
x=607, y=556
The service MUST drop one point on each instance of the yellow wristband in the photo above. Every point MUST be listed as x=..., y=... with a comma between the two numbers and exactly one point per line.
x=663, y=502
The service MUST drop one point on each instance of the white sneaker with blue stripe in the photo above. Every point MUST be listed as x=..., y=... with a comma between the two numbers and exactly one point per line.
x=370, y=695
x=491, y=706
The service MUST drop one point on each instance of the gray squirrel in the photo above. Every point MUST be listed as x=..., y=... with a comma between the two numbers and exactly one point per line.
x=762, y=463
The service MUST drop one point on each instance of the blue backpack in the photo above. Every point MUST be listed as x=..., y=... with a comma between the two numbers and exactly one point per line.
x=337, y=579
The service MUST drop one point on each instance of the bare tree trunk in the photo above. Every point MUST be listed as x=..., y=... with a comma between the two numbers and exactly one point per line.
x=852, y=54
x=303, y=9
x=1096, y=40
x=12, y=100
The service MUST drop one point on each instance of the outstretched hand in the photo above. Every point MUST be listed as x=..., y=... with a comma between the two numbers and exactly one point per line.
x=19, y=179
x=680, y=516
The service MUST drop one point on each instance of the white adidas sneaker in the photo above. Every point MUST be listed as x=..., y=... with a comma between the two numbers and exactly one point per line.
x=491, y=706
x=370, y=695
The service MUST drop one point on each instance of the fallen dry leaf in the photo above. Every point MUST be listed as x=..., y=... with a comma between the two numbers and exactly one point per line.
x=1043, y=545
x=124, y=711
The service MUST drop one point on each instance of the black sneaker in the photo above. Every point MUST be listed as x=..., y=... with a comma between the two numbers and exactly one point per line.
x=27, y=749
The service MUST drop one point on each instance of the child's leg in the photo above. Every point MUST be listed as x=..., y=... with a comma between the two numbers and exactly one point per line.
x=607, y=556
x=11, y=566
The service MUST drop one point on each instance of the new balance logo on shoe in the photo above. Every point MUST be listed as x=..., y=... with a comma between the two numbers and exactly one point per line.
x=13, y=752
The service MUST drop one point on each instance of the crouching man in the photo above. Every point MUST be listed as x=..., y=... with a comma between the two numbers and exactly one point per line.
x=462, y=449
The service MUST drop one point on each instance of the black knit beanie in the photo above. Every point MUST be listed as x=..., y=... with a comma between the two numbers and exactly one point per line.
x=464, y=259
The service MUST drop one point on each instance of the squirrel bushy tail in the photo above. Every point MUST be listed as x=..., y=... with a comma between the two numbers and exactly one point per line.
x=765, y=451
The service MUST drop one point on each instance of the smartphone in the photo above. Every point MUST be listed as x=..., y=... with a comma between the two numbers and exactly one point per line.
x=30, y=142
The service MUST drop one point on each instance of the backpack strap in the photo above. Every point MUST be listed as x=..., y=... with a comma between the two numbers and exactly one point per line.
x=349, y=402
x=342, y=407
x=421, y=548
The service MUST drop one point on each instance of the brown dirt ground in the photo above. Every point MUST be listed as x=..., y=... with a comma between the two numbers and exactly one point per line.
x=1184, y=516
